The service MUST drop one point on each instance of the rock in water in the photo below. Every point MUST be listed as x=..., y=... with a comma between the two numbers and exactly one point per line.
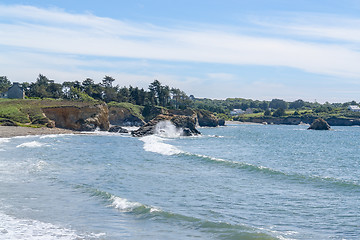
x=186, y=123
x=319, y=124
x=118, y=129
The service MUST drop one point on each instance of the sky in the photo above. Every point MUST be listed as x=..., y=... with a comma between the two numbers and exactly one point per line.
x=258, y=49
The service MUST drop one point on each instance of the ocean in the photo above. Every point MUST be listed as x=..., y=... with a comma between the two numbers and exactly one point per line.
x=233, y=182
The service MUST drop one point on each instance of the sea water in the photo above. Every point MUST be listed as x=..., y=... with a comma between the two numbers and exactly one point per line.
x=232, y=182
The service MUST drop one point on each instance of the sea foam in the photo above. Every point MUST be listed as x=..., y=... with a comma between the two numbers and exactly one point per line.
x=163, y=131
x=155, y=144
x=33, y=144
x=12, y=228
x=125, y=205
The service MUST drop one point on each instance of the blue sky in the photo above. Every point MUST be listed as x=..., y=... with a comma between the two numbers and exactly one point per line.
x=216, y=49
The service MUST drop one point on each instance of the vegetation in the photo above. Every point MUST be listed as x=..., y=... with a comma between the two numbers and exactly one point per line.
x=146, y=102
x=135, y=110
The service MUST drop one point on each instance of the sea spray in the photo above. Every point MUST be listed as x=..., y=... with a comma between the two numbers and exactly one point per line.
x=155, y=143
x=167, y=129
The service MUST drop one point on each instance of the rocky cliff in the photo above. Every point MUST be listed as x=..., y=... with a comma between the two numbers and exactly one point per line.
x=123, y=116
x=85, y=118
x=207, y=119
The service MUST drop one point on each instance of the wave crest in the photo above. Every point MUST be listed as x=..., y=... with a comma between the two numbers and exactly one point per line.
x=33, y=144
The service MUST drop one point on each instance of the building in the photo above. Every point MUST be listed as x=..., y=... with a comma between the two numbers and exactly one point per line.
x=235, y=112
x=15, y=91
x=354, y=108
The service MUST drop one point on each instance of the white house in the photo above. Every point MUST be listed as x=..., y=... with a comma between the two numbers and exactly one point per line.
x=354, y=108
x=235, y=112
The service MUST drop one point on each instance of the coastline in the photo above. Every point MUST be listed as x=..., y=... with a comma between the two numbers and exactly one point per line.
x=238, y=122
x=12, y=131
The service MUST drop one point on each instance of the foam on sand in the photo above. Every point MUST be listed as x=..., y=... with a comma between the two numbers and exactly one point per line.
x=12, y=228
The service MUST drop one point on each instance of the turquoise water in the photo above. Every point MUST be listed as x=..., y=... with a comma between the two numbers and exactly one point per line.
x=233, y=182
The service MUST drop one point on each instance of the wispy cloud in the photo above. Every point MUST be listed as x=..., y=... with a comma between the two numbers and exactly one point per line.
x=56, y=31
x=311, y=26
x=68, y=46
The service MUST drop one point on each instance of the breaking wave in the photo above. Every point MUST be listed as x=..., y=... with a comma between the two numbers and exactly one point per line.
x=156, y=144
x=164, y=130
x=223, y=229
x=33, y=144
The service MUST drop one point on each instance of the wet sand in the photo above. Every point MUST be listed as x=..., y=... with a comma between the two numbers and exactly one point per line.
x=7, y=131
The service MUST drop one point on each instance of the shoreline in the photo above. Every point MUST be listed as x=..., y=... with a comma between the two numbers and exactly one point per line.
x=16, y=131
x=242, y=123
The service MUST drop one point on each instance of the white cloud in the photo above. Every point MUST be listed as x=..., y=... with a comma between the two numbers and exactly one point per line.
x=67, y=47
x=55, y=31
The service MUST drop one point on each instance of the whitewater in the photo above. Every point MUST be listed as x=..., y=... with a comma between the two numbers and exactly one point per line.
x=232, y=182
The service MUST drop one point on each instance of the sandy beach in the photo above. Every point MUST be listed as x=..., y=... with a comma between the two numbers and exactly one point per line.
x=10, y=131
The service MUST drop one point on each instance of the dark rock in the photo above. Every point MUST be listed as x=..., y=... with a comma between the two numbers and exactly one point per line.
x=7, y=122
x=118, y=129
x=206, y=119
x=179, y=121
x=319, y=124
x=186, y=132
x=221, y=122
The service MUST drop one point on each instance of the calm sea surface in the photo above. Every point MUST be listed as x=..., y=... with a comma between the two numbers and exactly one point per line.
x=233, y=182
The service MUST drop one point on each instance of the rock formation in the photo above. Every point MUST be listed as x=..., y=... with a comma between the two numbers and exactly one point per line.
x=207, y=119
x=86, y=118
x=319, y=124
x=118, y=129
x=122, y=116
x=186, y=123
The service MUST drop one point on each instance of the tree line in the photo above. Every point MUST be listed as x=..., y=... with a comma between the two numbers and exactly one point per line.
x=159, y=95
x=156, y=94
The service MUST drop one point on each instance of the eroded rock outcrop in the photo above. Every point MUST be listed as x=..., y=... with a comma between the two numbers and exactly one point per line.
x=319, y=124
x=122, y=116
x=86, y=118
x=186, y=123
x=207, y=119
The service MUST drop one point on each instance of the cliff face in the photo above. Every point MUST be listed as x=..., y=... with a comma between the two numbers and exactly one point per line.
x=86, y=118
x=207, y=119
x=123, y=117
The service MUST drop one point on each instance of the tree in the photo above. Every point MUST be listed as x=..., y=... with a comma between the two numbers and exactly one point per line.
x=107, y=81
x=297, y=104
x=4, y=84
x=267, y=112
x=264, y=105
x=279, y=112
x=155, y=91
x=278, y=103
x=39, y=88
